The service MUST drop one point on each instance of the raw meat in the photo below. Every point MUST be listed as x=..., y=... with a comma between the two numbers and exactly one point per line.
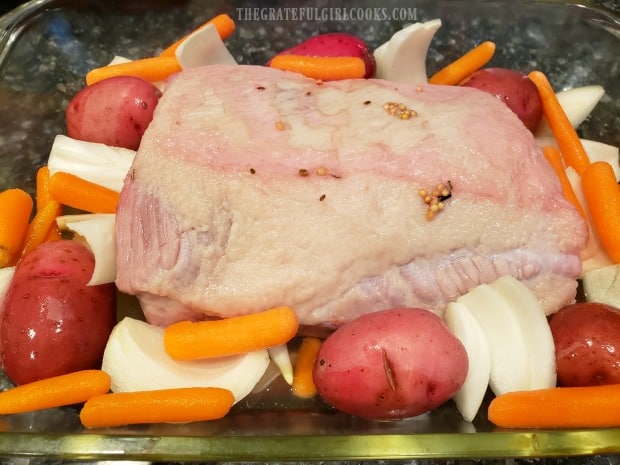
x=255, y=188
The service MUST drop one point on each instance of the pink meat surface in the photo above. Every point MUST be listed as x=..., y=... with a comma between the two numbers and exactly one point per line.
x=256, y=188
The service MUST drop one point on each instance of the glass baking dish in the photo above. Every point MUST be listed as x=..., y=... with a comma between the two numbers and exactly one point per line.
x=47, y=46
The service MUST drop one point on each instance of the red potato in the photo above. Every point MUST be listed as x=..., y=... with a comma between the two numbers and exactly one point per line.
x=335, y=44
x=390, y=364
x=587, y=344
x=115, y=111
x=52, y=322
x=515, y=89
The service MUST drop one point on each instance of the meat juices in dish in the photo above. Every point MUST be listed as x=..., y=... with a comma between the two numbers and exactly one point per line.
x=255, y=188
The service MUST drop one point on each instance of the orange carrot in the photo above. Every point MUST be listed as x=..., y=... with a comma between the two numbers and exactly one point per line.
x=565, y=135
x=40, y=226
x=151, y=69
x=555, y=160
x=303, y=383
x=178, y=405
x=322, y=68
x=43, y=196
x=76, y=192
x=58, y=391
x=43, y=187
x=464, y=66
x=560, y=407
x=189, y=340
x=15, y=210
x=223, y=23
x=602, y=194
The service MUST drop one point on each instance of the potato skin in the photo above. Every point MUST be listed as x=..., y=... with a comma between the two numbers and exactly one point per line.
x=390, y=364
x=52, y=322
x=516, y=90
x=587, y=344
x=115, y=111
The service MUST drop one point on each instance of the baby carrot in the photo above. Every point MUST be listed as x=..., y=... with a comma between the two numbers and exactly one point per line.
x=602, y=194
x=42, y=187
x=555, y=160
x=58, y=391
x=39, y=228
x=15, y=210
x=560, y=407
x=303, y=384
x=565, y=135
x=464, y=66
x=43, y=196
x=178, y=405
x=322, y=68
x=223, y=23
x=71, y=190
x=150, y=69
x=189, y=340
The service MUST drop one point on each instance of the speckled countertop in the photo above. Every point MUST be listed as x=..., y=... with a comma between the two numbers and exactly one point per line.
x=49, y=58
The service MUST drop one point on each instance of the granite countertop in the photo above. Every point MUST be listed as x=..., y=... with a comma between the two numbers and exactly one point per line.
x=57, y=47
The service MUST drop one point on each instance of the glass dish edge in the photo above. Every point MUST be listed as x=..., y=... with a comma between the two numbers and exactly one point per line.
x=96, y=446
x=524, y=443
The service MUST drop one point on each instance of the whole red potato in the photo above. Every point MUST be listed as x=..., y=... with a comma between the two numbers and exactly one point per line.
x=115, y=111
x=516, y=90
x=390, y=364
x=52, y=322
x=587, y=344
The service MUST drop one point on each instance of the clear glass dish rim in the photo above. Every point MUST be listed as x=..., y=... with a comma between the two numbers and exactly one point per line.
x=11, y=22
x=498, y=444
x=360, y=446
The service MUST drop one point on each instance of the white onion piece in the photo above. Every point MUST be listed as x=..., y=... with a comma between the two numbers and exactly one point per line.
x=203, y=47
x=118, y=60
x=6, y=276
x=97, y=230
x=136, y=360
x=281, y=357
x=577, y=103
x=98, y=163
x=403, y=57
x=466, y=328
